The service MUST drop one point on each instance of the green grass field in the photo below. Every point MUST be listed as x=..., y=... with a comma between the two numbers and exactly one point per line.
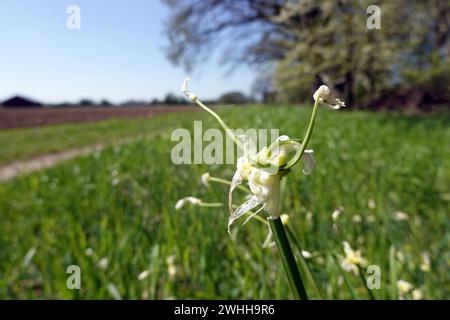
x=120, y=203
x=21, y=144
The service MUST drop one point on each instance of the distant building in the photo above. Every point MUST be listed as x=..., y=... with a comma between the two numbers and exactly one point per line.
x=20, y=102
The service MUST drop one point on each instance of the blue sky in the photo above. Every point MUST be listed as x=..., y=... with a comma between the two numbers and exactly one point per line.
x=117, y=54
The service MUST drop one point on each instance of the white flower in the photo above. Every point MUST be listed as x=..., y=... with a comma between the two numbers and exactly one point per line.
x=336, y=213
x=326, y=97
x=425, y=266
x=180, y=203
x=284, y=218
x=403, y=288
x=196, y=202
x=205, y=179
x=371, y=204
x=266, y=188
x=184, y=89
x=89, y=252
x=144, y=274
x=352, y=259
x=171, y=268
x=401, y=216
x=417, y=294
x=262, y=171
x=306, y=254
x=103, y=263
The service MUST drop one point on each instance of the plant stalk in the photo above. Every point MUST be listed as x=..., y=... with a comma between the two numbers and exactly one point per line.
x=364, y=281
x=306, y=139
x=288, y=259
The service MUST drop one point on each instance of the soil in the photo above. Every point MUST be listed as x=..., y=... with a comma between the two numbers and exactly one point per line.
x=11, y=118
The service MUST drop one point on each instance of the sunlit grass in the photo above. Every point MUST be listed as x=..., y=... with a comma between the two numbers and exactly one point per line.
x=120, y=203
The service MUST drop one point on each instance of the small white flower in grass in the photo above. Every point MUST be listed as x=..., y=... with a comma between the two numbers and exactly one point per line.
x=352, y=259
x=196, y=202
x=28, y=257
x=89, y=252
x=112, y=289
x=403, y=288
x=356, y=218
x=327, y=97
x=180, y=203
x=205, y=179
x=401, y=216
x=306, y=254
x=143, y=275
x=103, y=263
x=171, y=268
x=417, y=294
x=284, y=219
x=425, y=266
x=336, y=213
x=371, y=204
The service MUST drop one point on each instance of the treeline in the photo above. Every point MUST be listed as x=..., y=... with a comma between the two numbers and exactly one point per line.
x=171, y=99
x=404, y=62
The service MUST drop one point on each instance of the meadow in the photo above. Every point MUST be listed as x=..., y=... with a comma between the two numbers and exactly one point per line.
x=112, y=212
x=25, y=143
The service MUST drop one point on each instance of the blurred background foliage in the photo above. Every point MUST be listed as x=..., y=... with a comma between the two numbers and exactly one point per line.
x=297, y=45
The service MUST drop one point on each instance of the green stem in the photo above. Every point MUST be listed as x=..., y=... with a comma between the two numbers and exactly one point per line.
x=226, y=182
x=344, y=275
x=393, y=273
x=305, y=141
x=303, y=262
x=288, y=259
x=364, y=281
x=227, y=129
x=210, y=204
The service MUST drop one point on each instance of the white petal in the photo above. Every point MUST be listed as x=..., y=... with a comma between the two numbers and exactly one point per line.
x=205, y=179
x=180, y=203
x=309, y=161
x=253, y=214
x=242, y=209
x=237, y=180
x=283, y=138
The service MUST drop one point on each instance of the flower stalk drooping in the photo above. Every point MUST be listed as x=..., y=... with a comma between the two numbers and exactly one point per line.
x=327, y=97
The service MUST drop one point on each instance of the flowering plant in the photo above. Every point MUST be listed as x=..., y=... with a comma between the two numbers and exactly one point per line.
x=263, y=171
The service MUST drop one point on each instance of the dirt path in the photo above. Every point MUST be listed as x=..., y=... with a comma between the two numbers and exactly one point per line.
x=51, y=116
x=17, y=168
x=36, y=117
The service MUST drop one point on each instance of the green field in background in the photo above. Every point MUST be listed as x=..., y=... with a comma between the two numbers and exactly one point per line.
x=119, y=202
x=21, y=144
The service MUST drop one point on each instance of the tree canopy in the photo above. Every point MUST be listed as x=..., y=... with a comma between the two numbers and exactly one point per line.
x=310, y=42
